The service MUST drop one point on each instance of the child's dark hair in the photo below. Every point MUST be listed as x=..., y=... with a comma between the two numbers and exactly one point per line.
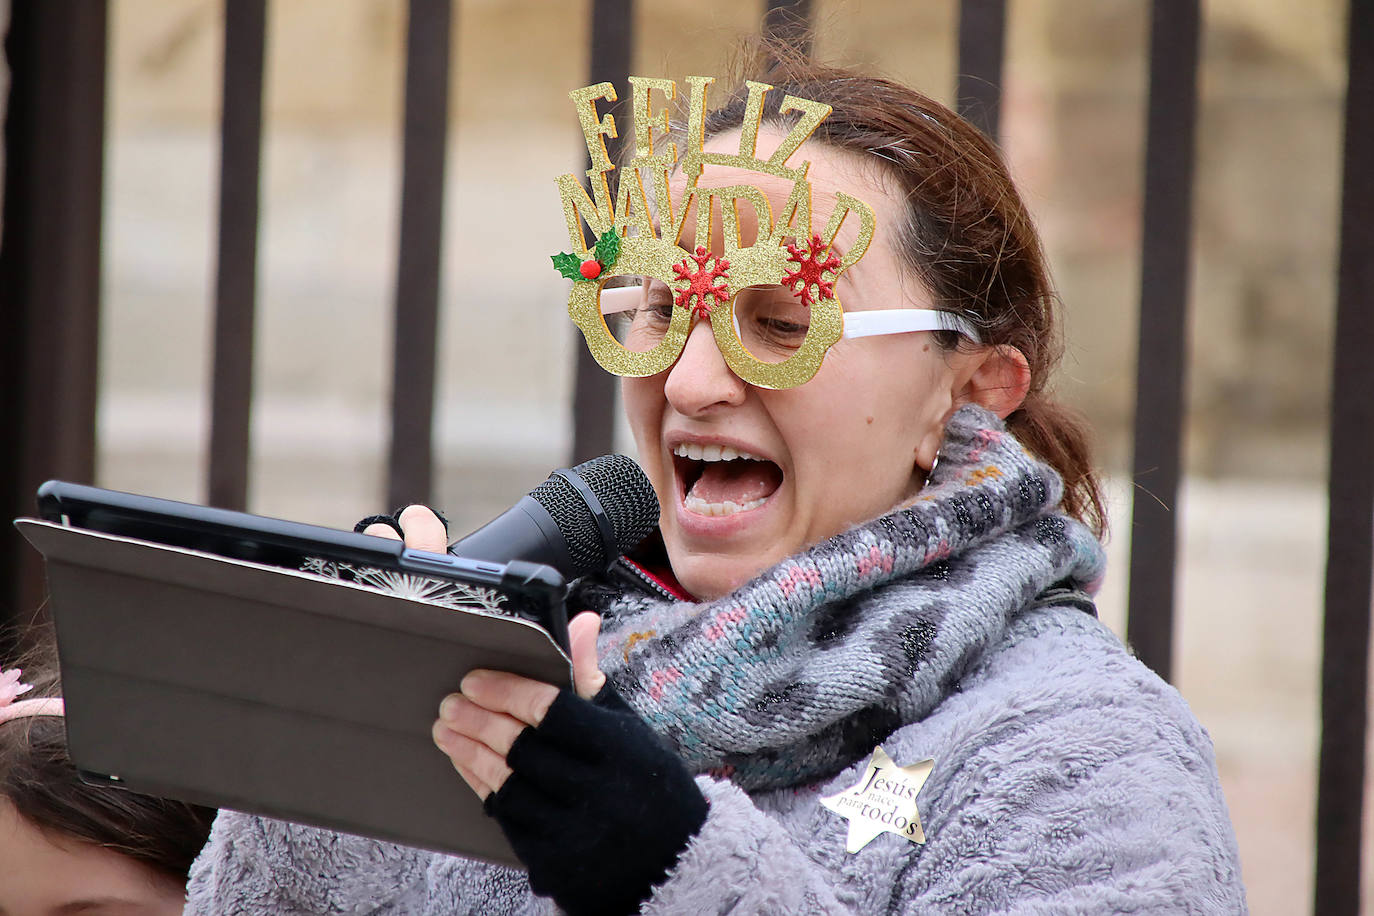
x=38, y=778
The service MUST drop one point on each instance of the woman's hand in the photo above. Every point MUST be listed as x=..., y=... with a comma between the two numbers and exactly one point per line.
x=424, y=529
x=590, y=798
x=478, y=726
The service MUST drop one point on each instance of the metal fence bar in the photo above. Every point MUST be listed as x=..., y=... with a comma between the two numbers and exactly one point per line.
x=789, y=21
x=982, y=47
x=410, y=478
x=593, y=388
x=1162, y=348
x=49, y=269
x=245, y=27
x=1350, y=531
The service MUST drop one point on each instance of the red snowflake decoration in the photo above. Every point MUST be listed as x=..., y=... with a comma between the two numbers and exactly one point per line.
x=701, y=282
x=809, y=270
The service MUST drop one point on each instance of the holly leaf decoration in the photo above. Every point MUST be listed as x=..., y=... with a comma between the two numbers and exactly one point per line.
x=568, y=265
x=607, y=248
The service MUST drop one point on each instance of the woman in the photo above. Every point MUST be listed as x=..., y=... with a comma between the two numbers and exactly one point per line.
x=69, y=847
x=860, y=670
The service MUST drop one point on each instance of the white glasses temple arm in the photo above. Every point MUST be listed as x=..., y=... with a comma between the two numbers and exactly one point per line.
x=620, y=298
x=899, y=321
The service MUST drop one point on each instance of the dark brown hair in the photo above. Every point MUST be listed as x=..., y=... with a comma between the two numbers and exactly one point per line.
x=966, y=235
x=38, y=778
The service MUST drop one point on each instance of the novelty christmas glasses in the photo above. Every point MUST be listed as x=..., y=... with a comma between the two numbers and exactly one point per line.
x=773, y=306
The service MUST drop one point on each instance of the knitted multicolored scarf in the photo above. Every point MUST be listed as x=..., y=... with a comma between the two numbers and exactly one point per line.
x=804, y=670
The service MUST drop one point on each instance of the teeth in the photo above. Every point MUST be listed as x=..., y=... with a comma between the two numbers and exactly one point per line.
x=712, y=452
x=702, y=507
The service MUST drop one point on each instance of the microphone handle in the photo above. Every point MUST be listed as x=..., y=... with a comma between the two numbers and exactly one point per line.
x=525, y=531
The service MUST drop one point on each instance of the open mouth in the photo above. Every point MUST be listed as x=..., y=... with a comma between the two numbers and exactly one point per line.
x=719, y=480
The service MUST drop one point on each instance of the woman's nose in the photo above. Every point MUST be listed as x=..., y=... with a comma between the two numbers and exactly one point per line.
x=700, y=379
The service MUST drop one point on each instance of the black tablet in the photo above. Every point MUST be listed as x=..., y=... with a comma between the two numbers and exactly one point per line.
x=278, y=668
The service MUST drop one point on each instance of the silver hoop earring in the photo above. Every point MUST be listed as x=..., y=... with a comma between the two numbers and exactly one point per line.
x=933, y=465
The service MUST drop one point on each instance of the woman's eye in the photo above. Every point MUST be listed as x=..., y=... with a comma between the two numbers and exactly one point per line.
x=770, y=322
x=782, y=329
x=658, y=301
x=771, y=319
x=657, y=313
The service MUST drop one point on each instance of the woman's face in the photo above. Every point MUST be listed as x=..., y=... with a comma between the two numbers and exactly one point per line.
x=842, y=448
x=42, y=874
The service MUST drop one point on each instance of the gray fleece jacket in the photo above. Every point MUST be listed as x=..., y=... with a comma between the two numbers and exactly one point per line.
x=1067, y=778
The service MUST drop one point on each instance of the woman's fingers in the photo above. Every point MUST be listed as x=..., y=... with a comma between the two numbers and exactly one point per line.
x=478, y=739
x=424, y=530
x=496, y=730
x=477, y=728
x=484, y=770
x=525, y=701
x=587, y=676
x=518, y=697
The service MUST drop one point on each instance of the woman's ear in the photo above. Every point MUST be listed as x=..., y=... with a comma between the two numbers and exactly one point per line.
x=999, y=380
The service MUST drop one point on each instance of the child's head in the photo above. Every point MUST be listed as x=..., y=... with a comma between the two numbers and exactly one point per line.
x=63, y=842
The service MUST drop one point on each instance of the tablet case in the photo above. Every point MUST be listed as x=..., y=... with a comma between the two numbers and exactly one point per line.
x=270, y=691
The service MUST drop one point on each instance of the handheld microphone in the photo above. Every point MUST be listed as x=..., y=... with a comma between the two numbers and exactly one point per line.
x=579, y=521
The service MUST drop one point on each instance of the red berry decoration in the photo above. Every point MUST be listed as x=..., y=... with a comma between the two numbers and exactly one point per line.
x=603, y=255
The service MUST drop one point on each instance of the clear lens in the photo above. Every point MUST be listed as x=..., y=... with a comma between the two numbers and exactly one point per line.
x=638, y=315
x=771, y=322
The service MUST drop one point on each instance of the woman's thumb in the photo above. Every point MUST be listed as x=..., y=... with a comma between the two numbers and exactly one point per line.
x=582, y=632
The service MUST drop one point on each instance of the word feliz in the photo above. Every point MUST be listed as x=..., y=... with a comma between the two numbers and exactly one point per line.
x=630, y=213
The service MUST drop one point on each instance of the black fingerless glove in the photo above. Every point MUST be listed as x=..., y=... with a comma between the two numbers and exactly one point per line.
x=598, y=807
x=394, y=521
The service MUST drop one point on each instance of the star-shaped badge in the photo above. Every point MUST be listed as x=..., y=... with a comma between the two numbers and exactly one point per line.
x=884, y=800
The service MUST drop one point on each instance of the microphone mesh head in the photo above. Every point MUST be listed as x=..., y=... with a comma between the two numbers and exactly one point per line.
x=626, y=496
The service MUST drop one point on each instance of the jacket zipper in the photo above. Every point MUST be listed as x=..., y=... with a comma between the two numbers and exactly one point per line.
x=643, y=579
